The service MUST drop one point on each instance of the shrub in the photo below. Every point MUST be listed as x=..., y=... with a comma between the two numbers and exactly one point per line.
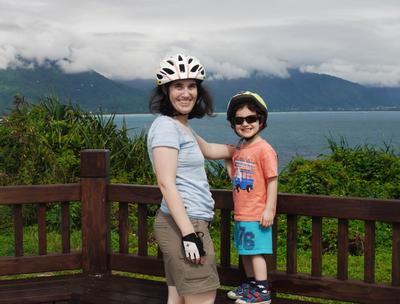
x=362, y=171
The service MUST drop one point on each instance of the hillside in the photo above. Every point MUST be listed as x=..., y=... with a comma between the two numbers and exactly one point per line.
x=88, y=89
x=91, y=90
x=301, y=92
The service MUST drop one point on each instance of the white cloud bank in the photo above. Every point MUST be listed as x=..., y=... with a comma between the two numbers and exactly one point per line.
x=357, y=40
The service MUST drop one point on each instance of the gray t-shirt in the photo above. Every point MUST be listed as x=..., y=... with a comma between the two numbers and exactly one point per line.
x=191, y=178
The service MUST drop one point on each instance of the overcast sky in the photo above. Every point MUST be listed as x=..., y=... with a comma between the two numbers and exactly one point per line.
x=358, y=40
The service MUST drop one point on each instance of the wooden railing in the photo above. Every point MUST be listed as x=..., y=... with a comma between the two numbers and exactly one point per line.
x=16, y=196
x=96, y=196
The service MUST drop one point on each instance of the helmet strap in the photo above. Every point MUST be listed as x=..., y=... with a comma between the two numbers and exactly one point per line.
x=164, y=89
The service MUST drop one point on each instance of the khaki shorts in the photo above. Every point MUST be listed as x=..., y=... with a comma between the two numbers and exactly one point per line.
x=188, y=278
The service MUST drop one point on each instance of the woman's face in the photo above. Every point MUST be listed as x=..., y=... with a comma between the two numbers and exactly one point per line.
x=183, y=95
x=247, y=124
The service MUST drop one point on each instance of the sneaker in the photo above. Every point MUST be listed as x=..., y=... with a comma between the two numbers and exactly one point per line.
x=255, y=295
x=239, y=291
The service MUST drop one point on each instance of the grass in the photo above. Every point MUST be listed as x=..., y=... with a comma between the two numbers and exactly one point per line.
x=329, y=261
x=30, y=243
x=383, y=256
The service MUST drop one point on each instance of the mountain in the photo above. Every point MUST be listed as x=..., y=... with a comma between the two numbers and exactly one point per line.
x=90, y=90
x=300, y=92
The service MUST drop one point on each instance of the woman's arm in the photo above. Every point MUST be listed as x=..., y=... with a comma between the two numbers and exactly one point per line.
x=214, y=151
x=165, y=164
x=228, y=166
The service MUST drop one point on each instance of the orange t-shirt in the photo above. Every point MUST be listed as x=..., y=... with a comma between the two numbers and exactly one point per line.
x=252, y=166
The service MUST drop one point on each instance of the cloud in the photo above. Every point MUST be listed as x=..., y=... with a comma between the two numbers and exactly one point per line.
x=357, y=40
x=371, y=75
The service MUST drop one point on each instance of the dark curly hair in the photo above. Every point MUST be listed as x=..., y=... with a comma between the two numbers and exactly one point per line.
x=159, y=102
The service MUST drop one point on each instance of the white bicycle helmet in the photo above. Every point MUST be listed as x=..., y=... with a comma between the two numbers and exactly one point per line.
x=180, y=67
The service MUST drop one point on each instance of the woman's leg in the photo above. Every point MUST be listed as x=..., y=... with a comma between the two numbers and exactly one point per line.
x=201, y=298
x=173, y=296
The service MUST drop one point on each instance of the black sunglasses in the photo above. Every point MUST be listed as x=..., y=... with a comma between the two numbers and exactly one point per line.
x=249, y=119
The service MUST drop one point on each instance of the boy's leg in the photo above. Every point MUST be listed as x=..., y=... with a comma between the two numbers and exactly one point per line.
x=242, y=290
x=259, y=267
x=248, y=265
x=248, y=269
x=260, y=271
x=259, y=293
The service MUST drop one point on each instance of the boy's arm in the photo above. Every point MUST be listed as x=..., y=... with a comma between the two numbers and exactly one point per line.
x=267, y=218
x=214, y=151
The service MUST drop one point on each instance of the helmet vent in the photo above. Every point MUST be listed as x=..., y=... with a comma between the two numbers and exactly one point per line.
x=159, y=76
x=168, y=71
x=182, y=68
x=180, y=58
x=190, y=60
x=194, y=69
x=170, y=62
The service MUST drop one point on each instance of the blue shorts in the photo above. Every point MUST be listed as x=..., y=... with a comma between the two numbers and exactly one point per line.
x=251, y=238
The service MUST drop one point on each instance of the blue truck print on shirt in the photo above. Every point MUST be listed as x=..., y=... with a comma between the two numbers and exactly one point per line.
x=243, y=179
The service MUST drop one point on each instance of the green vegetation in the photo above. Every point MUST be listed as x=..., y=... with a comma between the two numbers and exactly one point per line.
x=41, y=144
x=363, y=171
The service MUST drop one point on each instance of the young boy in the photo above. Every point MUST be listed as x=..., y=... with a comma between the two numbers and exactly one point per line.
x=254, y=173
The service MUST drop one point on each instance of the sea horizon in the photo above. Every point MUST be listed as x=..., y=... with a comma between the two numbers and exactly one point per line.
x=303, y=133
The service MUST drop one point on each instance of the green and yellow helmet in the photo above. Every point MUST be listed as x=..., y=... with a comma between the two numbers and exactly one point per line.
x=251, y=98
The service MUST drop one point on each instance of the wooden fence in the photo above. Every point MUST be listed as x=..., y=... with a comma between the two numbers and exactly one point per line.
x=96, y=195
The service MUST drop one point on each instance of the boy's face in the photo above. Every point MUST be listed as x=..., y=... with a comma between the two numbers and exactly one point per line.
x=247, y=124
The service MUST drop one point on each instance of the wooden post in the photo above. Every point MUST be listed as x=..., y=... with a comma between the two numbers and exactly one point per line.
x=95, y=167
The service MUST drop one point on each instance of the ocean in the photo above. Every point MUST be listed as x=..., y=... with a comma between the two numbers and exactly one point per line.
x=297, y=133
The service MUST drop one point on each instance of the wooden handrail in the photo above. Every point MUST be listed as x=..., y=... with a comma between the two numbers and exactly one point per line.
x=367, y=209
x=12, y=195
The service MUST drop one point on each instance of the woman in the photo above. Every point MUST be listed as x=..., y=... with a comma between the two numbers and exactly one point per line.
x=181, y=225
